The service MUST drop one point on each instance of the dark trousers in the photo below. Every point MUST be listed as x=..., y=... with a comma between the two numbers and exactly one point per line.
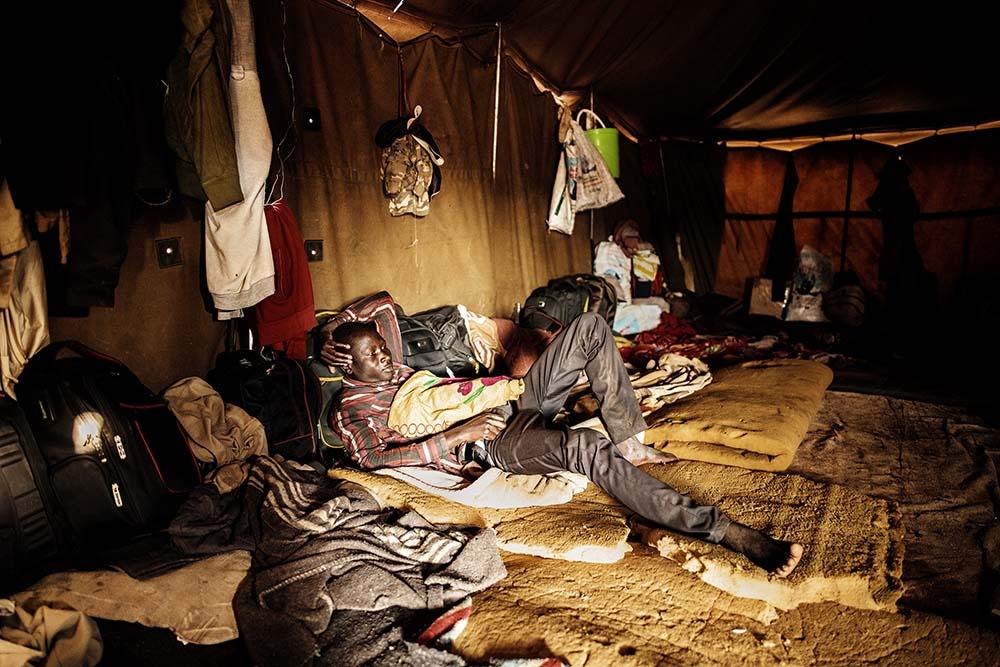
x=532, y=444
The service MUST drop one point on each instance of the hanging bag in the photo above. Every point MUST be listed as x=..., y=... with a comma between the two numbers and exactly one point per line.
x=583, y=180
x=596, y=187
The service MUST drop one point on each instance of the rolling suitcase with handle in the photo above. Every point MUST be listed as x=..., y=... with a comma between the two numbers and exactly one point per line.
x=30, y=533
x=115, y=458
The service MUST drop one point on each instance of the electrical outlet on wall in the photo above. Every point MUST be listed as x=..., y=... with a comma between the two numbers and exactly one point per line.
x=314, y=250
x=168, y=252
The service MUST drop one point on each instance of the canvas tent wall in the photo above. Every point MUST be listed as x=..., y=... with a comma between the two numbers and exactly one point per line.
x=955, y=179
x=705, y=71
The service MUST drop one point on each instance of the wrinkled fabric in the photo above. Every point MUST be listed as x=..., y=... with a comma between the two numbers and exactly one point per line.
x=239, y=267
x=41, y=635
x=283, y=319
x=196, y=108
x=674, y=378
x=218, y=433
x=612, y=263
x=494, y=488
x=12, y=236
x=323, y=547
x=24, y=323
x=426, y=404
x=635, y=318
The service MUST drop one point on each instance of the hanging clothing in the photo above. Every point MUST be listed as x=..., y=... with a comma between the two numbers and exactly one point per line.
x=12, y=236
x=85, y=142
x=24, y=323
x=238, y=263
x=410, y=166
x=57, y=219
x=283, y=319
x=196, y=108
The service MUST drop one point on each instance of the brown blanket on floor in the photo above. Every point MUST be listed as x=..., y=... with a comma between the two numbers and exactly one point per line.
x=753, y=415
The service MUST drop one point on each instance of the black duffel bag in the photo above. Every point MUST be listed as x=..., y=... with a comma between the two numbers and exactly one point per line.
x=283, y=393
x=438, y=340
x=111, y=452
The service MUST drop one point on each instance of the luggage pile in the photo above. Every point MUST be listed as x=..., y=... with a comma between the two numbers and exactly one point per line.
x=90, y=459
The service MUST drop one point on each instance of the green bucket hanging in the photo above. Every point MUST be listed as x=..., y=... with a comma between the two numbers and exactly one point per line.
x=605, y=139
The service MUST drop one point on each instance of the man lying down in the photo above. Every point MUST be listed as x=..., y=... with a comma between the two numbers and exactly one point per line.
x=365, y=343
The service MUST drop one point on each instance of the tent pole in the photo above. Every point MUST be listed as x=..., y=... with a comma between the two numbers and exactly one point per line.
x=496, y=101
x=591, y=210
x=847, y=204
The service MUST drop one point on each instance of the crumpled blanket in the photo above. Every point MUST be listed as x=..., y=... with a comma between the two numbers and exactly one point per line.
x=41, y=635
x=676, y=336
x=675, y=377
x=323, y=547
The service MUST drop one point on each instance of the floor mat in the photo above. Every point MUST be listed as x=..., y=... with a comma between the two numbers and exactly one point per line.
x=194, y=601
x=853, y=543
x=753, y=415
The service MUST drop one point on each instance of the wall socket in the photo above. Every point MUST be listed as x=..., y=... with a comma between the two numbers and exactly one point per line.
x=168, y=252
x=314, y=250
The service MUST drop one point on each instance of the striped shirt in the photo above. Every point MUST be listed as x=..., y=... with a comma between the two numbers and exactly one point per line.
x=361, y=416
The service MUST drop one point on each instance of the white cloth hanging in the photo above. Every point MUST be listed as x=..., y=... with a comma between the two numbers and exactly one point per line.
x=239, y=267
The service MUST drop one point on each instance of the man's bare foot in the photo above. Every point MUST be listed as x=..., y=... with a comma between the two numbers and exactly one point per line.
x=777, y=557
x=639, y=454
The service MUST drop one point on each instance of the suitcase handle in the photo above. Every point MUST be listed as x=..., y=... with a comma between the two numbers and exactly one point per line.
x=51, y=352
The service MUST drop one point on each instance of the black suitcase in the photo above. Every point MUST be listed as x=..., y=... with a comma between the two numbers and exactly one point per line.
x=29, y=529
x=115, y=457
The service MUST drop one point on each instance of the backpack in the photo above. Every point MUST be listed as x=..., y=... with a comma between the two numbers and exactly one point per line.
x=330, y=382
x=559, y=302
x=282, y=393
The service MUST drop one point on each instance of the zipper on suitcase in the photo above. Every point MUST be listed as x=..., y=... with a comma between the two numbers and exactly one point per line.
x=112, y=425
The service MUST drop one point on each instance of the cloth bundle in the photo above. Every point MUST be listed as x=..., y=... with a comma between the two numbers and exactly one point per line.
x=217, y=433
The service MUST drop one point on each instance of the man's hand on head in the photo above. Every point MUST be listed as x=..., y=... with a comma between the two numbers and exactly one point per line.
x=336, y=355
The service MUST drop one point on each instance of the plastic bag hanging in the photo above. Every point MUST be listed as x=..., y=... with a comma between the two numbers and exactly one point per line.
x=583, y=180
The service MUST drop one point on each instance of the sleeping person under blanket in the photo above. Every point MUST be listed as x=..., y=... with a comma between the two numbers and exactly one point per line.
x=364, y=341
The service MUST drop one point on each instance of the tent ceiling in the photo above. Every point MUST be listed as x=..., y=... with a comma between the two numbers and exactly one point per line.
x=752, y=70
